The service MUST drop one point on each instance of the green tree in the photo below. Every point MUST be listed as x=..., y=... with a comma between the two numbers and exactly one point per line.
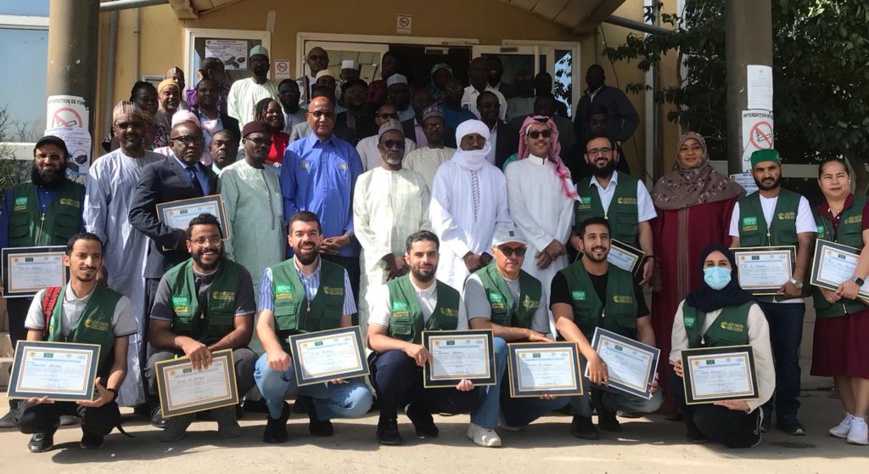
x=820, y=71
x=12, y=171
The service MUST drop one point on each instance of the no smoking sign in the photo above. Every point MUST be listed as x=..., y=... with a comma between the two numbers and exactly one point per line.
x=757, y=134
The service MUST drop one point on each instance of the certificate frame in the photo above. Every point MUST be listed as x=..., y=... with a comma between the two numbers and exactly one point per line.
x=88, y=354
x=701, y=356
x=432, y=338
x=516, y=351
x=605, y=338
x=822, y=248
x=359, y=367
x=626, y=253
x=165, y=211
x=170, y=409
x=743, y=254
x=10, y=255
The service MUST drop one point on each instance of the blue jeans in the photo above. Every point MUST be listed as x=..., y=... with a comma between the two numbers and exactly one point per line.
x=517, y=411
x=785, y=335
x=349, y=400
x=614, y=400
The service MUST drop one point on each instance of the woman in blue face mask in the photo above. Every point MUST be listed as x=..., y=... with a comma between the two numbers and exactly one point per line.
x=718, y=314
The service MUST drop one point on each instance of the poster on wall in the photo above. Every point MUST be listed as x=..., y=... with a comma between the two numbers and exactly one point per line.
x=232, y=52
x=78, y=142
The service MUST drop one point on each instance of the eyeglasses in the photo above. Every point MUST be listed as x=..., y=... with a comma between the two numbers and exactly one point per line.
x=329, y=114
x=259, y=141
x=535, y=134
x=188, y=140
x=394, y=144
x=213, y=240
x=599, y=151
x=387, y=116
x=509, y=251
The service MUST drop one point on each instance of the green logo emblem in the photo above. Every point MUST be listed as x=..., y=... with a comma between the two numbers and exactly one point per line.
x=536, y=355
x=21, y=201
x=496, y=297
x=187, y=370
x=399, y=306
x=180, y=300
x=48, y=356
x=318, y=343
x=578, y=295
x=585, y=199
x=749, y=221
x=821, y=230
x=619, y=348
x=689, y=321
x=451, y=343
x=710, y=362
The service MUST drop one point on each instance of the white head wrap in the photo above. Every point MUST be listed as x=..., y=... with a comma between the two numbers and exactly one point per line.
x=472, y=159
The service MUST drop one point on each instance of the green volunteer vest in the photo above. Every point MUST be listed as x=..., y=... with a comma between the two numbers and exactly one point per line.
x=623, y=214
x=850, y=233
x=505, y=311
x=29, y=227
x=730, y=328
x=212, y=323
x=293, y=312
x=94, y=326
x=406, y=321
x=617, y=314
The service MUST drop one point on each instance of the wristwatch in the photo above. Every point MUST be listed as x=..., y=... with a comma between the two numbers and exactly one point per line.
x=857, y=280
x=797, y=283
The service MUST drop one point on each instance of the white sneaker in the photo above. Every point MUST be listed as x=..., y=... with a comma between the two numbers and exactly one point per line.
x=841, y=430
x=859, y=433
x=485, y=437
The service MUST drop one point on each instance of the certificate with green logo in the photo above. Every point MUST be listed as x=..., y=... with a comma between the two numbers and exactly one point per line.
x=178, y=214
x=26, y=270
x=321, y=356
x=764, y=270
x=834, y=264
x=457, y=356
x=544, y=368
x=183, y=389
x=714, y=374
x=627, y=258
x=63, y=371
x=631, y=365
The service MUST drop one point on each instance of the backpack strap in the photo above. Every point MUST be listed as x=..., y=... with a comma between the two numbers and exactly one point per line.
x=49, y=301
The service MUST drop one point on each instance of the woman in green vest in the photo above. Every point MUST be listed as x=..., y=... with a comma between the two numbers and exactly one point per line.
x=842, y=326
x=720, y=313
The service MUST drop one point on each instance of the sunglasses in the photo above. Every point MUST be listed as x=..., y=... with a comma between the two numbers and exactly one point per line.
x=323, y=113
x=509, y=251
x=387, y=116
x=535, y=134
x=394, y=144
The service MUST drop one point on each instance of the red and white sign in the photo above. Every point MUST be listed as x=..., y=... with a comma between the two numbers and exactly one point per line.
x=66, y=111
x=757, y=134
x=404, y=23
x=282, y=68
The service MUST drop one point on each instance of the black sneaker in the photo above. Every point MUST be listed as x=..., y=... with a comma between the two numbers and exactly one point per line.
x=276, y=430
x=387, y=432
x=790, y=425
x=422, y=421
x=41, y=442
x=608, y=422
x=581, y=427
x=316, y=426
x=91, y=441
x=157, y=420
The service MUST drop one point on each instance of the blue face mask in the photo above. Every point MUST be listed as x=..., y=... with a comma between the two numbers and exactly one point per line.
x=716, y=277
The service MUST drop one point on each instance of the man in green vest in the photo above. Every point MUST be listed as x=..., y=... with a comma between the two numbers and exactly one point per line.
x=773, y=216
x=304, y=294
x=620, y=198
x=202, y=305
x=592, y=293
x=82, y=311
x=400, y=312
x=504, y=298
x=47, y=210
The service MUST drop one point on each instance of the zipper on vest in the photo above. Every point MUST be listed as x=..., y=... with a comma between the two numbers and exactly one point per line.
x=41, y=225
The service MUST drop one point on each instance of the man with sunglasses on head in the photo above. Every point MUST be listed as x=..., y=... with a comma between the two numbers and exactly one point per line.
x=318, y=175
x=367, y=147
x=203, y=305
x=180, y=176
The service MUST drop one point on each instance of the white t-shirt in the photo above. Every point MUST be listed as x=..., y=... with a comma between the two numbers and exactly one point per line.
x=123, y=321
x=645, y=208
x=381, y=308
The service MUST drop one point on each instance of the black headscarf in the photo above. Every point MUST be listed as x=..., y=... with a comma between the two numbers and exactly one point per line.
x=707, y=299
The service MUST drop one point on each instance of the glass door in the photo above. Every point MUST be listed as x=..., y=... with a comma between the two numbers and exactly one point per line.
x=366, y=55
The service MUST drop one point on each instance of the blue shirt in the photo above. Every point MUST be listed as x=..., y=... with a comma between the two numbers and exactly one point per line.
x=46, y=196
x=311, y=284
x=200, y=175
x=319, y=176
x=453, y=118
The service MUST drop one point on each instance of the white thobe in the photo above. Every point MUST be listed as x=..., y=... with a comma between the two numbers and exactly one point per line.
x=367, y=148
x=426, y=161
x=111, y=184
x=388, y=206
x=243, y=96
x=541, y=211
x=462, y=221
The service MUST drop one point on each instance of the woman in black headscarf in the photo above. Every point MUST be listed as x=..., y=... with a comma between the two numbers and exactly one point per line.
x=721, y=314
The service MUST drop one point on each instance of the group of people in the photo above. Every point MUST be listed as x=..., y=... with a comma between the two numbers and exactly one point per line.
x=318, y=237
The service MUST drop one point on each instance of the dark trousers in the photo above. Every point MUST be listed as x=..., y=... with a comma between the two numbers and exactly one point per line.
x=398, y=381
x=734, y=429
x=45, y=417
x=785, y=334
x=245, y=360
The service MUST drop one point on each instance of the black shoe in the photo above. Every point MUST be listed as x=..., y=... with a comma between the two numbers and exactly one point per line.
x=41, y=442
x=256, y=406
x=276, y=430
x=422, y=421
x=316, y=426
x=67, y=420
x=8, y=420
x=157, y=420
x=142, y=409
x=697, y=438
x=387, y=432
x=608, y=422
x=581, y=427
x=91, y=441
x=790, y=425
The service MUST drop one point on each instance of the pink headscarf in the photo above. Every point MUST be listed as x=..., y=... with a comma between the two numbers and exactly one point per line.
x=554, y=152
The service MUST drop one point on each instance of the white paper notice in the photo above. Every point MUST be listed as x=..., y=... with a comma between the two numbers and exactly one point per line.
x=759, y=79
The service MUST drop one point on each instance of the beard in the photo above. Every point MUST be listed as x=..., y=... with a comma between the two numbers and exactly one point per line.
x=306, y=257
x=197, y=257
x=423, y=276
x=590, y=255
x=767, y=187
x=48, y=178
x=604, y=172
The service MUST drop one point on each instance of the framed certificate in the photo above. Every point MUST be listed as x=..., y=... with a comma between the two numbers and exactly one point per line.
x=763, y=270
x=631, y=364
x=833, y=264
x=26, y=270
x=544, y=368
x=714, y=374
x=184, y=390
x=325, y=355
x=457, y=356
x=177, y=214
x=627, y=258
x=64, y=371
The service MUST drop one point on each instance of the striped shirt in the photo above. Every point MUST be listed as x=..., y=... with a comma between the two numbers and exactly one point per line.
x=311, y=283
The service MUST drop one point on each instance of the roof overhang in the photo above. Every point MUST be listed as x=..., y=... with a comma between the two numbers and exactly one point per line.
x=580, y=17
x=192, y=9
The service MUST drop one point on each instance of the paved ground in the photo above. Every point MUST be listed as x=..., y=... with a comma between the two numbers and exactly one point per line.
x=645, y=445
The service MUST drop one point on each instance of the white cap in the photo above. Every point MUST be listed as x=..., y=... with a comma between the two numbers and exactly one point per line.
x=396, y=79
x=258, y=49
x=348, y=64
x=506, y=234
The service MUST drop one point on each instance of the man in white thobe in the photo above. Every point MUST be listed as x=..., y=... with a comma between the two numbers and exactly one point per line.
x=390, y=203
x=111, y=184
x=468, y=204
x=367, y=147
x=245, y=93
x=428, y=159
x=540, y=193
